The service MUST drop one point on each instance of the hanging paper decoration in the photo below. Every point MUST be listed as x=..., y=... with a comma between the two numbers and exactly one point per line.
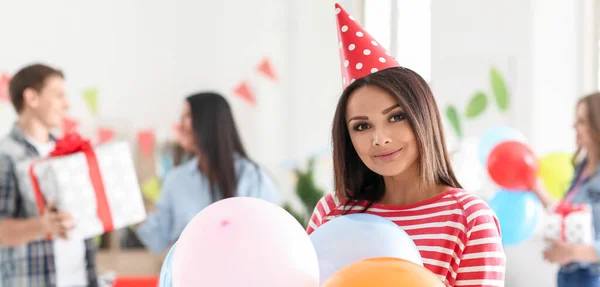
x=105, y=135
x=4, y=81
x=243, y=90
x=151, y=189
x=166, y=164
x=69, y=125
x=146, y=141
x=266, y=68
x=91, y=98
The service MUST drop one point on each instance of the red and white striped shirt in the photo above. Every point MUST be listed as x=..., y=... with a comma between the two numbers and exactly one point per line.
x=457, y=234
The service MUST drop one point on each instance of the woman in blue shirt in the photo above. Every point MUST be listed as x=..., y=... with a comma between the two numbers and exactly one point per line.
x=580, y=264
x=219, y=169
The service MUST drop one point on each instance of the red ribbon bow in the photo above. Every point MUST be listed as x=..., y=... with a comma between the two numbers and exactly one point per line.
x=69, y=144
x=72, y=143
x=564, y=209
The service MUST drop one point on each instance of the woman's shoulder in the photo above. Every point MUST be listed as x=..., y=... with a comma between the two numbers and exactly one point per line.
x=254, y=180
x=468, y=201
x=242, y=162
x=190, y=167
x=328, y=204
x=247, y=169
x=476, y=211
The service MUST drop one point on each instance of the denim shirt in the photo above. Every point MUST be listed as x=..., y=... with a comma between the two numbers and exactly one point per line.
x=186, y=191
x=588, y=192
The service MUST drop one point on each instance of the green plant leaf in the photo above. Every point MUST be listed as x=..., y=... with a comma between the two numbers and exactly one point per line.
x=454, y=120
x=499, y=88
x=477, y=105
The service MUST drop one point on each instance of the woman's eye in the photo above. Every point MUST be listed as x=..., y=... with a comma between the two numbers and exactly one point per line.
x=398, y=117
x=361, y=127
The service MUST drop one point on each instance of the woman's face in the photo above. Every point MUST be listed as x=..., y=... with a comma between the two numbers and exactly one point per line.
x=582, y=127
x=186, y=132
x=380, y=132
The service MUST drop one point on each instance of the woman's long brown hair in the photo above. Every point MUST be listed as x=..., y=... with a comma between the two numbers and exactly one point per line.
x=592, y=103
x=353, y=180
x=218, y=140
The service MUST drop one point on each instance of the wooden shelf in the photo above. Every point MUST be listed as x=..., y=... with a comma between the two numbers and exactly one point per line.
x=129, y=262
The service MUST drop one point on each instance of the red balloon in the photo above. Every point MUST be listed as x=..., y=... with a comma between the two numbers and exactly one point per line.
x=512, y=165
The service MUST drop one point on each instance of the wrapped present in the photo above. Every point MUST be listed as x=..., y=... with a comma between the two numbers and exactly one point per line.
x=570, y=223
x=98, y=186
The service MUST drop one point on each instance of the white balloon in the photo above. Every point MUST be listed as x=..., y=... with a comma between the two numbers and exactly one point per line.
x=470, y=174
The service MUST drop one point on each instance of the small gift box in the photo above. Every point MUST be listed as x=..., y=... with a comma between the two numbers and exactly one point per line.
x=570, y=223
x=98, y=186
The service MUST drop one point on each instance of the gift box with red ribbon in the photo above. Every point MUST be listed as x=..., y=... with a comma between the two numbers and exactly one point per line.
x=570, y=223
x=97, y=185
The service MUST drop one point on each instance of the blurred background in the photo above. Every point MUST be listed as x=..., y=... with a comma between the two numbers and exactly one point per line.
x=130, y=64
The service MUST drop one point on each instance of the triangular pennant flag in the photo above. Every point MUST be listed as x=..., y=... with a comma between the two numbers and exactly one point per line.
x=69, y=125
x=4, y=81
x=267, y=69
x=91, y=99
x=151, y=189
x=105, y=135
x=166, y=164
x=243, y=90
x=146, y=142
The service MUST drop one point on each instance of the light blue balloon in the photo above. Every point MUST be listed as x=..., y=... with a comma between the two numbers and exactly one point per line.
x=493, y=137
x=165, y=271
x=518, y=213
x=355, y=237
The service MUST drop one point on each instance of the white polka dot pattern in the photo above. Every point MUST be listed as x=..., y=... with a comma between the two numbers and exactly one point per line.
x=578, y=227
x=360, y=54
x=66, y=180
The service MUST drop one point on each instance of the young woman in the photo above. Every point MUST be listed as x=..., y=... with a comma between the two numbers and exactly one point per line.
x=390, y=159
x=580, y=264
x=220, y=169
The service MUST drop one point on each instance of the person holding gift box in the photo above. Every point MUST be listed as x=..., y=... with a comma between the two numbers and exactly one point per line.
x=220, y=169
x=580, y=257
x=27, y=256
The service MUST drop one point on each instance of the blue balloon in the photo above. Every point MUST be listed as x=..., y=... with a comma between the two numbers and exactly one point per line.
x=492, y=137
x=165, y=271
x=355, y=237
x=518, y=213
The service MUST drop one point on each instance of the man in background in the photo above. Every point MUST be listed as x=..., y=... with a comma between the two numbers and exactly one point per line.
x=27, y=258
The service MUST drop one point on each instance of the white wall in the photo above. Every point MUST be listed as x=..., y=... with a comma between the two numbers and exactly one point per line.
x=146, y=56
x=537, y=46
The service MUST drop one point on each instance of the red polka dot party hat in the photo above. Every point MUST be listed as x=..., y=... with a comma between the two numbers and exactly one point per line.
x=360, y=54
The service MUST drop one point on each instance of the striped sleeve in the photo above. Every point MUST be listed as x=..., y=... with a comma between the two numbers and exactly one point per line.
x=321, y=211
x=483, y=260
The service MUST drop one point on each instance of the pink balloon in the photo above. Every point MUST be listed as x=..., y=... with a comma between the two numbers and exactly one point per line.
x=247, y=242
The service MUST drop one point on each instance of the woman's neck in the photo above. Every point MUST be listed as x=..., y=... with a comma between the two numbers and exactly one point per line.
x=406, y=188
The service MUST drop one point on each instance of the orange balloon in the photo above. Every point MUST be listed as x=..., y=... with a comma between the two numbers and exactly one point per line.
x=384, y=272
